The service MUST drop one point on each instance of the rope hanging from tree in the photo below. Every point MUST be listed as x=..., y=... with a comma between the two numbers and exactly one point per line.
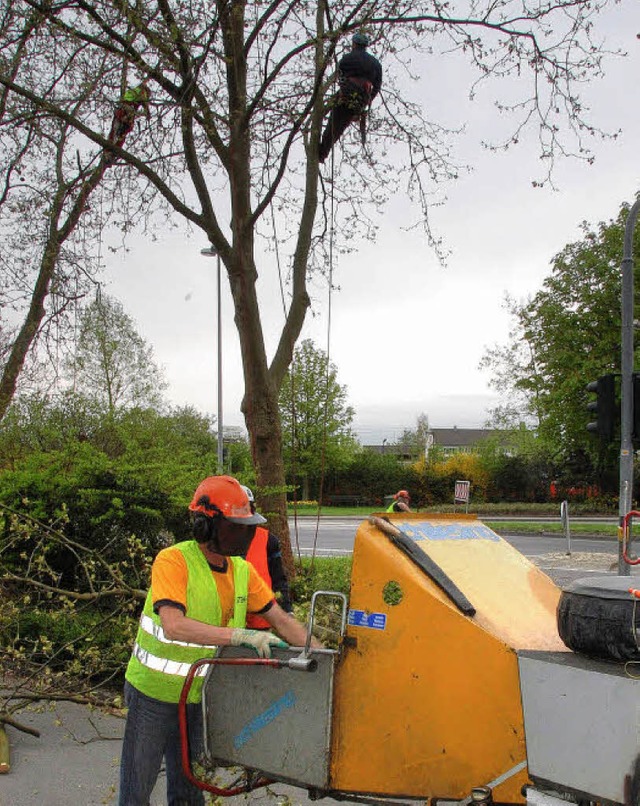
x=328, y=362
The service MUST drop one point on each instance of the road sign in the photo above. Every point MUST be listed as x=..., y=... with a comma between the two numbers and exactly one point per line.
x=462, y=492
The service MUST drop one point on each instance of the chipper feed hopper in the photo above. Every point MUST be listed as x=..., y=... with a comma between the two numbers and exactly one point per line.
x=448, y=631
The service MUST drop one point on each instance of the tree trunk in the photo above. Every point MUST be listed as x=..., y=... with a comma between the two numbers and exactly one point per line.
x=30, y=327
x=263, y=424
x=262, y=383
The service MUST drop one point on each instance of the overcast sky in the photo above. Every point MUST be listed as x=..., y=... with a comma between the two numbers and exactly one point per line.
x=406, y=333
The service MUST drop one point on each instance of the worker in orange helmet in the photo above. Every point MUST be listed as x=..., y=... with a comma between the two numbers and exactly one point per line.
x=265, y=556
x=400, y=502
x=201, y=591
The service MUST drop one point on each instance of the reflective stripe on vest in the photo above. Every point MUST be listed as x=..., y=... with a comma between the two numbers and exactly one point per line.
x=149, y=625
x=151, y=665
x=257, y=556
x=164, y=665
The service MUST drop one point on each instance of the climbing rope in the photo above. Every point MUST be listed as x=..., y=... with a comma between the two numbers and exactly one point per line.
x=328, y=360
x=325, y=418
x=281, y=285
x=292, y=367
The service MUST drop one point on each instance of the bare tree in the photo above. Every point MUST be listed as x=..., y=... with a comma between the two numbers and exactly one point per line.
x=51, y=235
x=239, y=94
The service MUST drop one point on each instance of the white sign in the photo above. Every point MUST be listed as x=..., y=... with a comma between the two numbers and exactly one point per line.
x=461, y=492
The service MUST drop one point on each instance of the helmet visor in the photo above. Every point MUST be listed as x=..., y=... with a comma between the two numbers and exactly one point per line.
x=250, y=520
x=234, y=538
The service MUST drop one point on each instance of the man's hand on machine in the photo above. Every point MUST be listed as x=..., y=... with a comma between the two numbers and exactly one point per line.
x=258, y=640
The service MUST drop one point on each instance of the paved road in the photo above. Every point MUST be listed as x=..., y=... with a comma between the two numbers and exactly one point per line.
x=590, y=556
x=335, y=537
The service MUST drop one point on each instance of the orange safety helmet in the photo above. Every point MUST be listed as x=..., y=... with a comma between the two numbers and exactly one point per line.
x=402, y=494
x=224, y=495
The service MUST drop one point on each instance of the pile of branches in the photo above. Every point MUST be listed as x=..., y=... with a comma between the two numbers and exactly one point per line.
x=69, y=613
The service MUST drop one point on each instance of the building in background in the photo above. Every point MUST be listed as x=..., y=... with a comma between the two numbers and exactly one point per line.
x=447, y=440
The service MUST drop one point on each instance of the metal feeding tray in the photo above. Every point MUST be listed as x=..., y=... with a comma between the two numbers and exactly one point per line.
x=276, y=720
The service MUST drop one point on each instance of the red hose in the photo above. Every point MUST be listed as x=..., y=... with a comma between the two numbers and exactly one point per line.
x=184, y=729
x=625, y=531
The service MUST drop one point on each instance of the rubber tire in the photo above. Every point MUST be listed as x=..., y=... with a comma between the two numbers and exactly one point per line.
x=598, y=627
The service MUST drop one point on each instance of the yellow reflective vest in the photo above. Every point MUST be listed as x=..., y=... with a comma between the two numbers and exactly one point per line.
x=158, y=666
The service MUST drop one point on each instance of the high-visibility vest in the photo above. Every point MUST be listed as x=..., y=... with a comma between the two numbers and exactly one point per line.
x=158, y=666
x=257, y=556
x=391, y=506
x=136, y=95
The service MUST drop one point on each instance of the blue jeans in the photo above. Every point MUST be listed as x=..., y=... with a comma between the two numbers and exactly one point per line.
x=151, y=732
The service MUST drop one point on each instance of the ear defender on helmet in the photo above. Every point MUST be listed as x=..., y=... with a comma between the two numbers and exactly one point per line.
x=223, y=516
x=224, y=495
x=202, y=527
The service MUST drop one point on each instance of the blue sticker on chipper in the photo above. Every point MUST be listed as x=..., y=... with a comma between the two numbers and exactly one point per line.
x=446, y=531
x=261, y=721
x=374, y=621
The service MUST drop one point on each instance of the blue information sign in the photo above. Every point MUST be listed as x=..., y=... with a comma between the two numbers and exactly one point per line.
x=375, y=621
x=446, y=531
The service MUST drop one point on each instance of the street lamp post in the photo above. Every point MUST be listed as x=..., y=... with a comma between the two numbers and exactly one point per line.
x=211, y=252
x=626, y=393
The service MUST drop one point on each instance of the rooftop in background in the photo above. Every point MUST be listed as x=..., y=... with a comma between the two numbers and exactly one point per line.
x=461, y=439
x=448, y=440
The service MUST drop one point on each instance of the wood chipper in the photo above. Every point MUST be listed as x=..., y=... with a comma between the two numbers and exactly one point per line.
x=450, y=683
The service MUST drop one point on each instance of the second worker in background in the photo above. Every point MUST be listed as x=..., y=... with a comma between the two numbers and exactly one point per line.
x=265, y=556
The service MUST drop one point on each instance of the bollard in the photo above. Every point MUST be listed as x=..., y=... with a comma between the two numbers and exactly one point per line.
x=564, y=517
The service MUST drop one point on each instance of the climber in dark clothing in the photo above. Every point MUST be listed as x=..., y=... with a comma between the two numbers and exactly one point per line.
x=359, y=79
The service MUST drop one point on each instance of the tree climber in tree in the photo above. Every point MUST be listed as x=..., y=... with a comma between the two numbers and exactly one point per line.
x=359, y=80
x=134, y=99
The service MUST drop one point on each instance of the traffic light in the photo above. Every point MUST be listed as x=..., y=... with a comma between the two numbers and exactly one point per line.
x=604, y=407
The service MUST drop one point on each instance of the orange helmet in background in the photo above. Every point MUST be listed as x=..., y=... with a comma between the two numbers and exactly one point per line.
x=402, y=494
x=224, y=495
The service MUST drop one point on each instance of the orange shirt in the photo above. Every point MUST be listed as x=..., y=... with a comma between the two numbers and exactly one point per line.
x=169, y=582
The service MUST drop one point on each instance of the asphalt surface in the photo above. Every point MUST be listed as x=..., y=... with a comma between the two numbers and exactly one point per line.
x=75, y=762
x=76, y=759
x=332, y=536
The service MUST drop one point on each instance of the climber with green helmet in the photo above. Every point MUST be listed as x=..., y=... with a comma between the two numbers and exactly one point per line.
x=124, y=118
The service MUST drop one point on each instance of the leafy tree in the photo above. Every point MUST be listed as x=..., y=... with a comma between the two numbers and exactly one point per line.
x=104, y=478
x=565, y=336
x=316, y=419
x=414, y=440
x=239, y=94
x=112, y=362
x=237, y=460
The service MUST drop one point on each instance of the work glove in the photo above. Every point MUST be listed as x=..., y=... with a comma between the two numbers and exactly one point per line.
x=258, y=640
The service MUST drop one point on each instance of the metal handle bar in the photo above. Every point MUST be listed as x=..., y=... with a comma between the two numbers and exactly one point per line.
x=312, y=615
